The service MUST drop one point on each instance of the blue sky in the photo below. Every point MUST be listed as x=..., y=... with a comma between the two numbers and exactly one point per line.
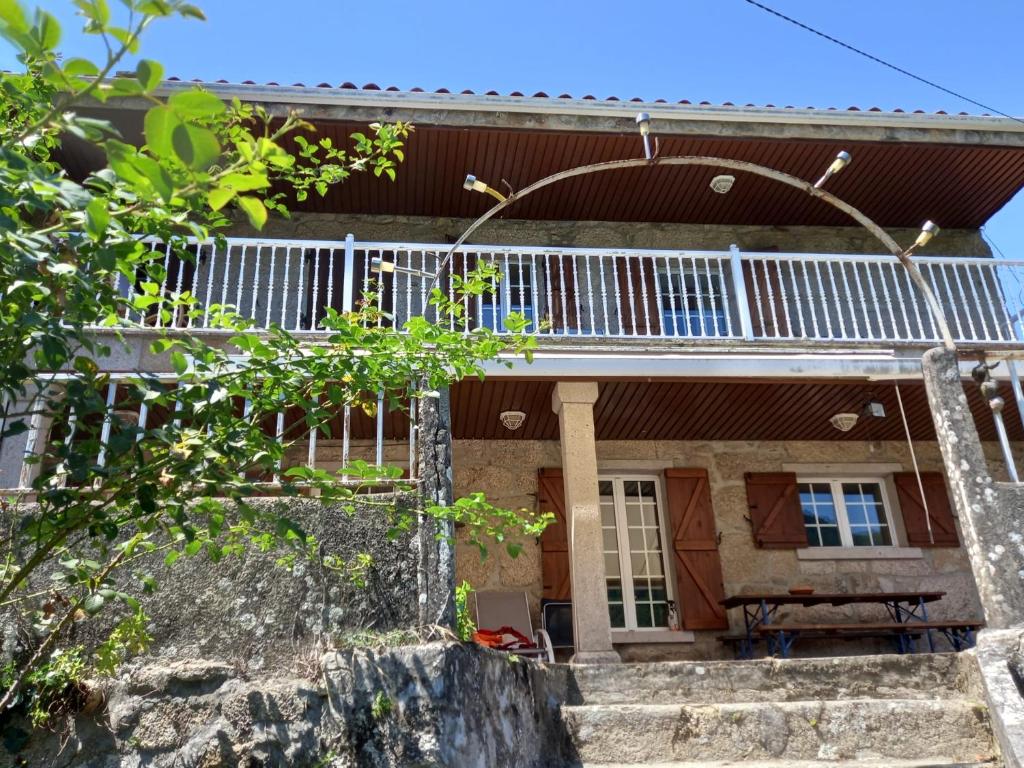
x=713, y=50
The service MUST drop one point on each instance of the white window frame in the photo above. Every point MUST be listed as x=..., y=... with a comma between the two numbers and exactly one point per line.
x=703, y=304
x=835, y=484
x=622, y=536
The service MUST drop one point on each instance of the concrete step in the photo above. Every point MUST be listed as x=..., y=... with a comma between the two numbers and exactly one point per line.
x=946, y=732
x=912, y=676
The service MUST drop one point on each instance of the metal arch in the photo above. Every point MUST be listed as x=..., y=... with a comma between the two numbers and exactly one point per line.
x=736, y=165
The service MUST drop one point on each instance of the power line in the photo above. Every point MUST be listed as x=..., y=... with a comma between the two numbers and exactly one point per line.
x=884, y=63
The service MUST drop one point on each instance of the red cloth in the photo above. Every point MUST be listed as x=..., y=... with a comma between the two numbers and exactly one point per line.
x=504, y=639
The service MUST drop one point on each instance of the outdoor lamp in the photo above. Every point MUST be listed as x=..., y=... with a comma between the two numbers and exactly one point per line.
x=875, y=408
x=929, y=230
x=473, y=184
x=643, y=120
x=844, y=422
x=378, y=265
x=842, y=160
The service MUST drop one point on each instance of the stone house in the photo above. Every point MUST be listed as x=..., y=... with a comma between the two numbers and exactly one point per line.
x=727, y=396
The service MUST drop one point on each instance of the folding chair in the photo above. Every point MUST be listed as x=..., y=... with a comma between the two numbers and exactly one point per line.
x=495, y=610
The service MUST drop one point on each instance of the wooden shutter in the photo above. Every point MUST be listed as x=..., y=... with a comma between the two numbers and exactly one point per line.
x=695, y=543
x=565, y=307
x=775, y=514
x=554, y=542
x=939, y=510
x=643, y=309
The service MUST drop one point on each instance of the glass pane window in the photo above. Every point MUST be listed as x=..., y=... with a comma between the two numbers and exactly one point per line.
x=692, y=303
x=638, y=588
x=820, y=519
x=865, y=509
x=515, y=293
x=849, y=512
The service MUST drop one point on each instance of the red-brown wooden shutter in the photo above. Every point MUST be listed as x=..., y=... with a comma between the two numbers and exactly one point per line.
x=565, y=308
x=642, y=311
x=939, y=510
x=554, y=542
x=695, y=543
x=775, y=513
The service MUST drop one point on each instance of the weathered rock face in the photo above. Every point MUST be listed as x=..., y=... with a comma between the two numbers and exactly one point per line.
x=989, y=513
x=191, y=714
x=442, y=704
x=252, y=613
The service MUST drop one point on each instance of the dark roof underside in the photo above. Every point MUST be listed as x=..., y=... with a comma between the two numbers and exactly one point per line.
x=697, y=410
x=897, y=184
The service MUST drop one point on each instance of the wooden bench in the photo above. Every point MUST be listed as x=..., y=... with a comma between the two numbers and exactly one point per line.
x=781, y=636
x=742, y=645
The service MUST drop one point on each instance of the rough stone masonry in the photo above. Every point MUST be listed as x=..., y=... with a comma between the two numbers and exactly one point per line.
x=992, y=521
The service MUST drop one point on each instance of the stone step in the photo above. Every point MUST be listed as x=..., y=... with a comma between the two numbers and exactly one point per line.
x=912, y=676
x=636, y=734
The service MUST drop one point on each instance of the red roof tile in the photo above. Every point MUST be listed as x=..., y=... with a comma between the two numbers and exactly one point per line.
x=588, y=97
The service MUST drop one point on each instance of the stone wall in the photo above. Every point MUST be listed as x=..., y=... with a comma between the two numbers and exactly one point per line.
x=251, y=613
x=440, y=704
x=507, y=472
x=608, y=234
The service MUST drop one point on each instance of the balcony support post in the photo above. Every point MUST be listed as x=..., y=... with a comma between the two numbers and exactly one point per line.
x=348, y=274
x=739, y=289
x=435, y=538
x=573, y=401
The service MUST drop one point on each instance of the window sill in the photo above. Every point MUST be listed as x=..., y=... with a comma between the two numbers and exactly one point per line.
x=859, y=553
x=621, y=636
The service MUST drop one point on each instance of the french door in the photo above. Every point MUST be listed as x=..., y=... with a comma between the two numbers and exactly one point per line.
x=633, y=526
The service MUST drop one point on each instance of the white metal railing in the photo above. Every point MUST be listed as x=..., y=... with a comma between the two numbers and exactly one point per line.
x=602, y=293
x=388, y=439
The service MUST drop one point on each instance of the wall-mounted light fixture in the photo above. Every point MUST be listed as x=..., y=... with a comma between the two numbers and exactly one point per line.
x=928, y=230
x=643, y=122
x=473, y=184
x=722, y=183
x=378, y=265
x=875, y=408
x=512, y=420
x=842, y=160
x=844, y=422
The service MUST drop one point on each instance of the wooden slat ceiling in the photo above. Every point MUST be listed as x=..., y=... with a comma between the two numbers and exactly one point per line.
x=694, y=410
x=899, y=185
x=677, y=410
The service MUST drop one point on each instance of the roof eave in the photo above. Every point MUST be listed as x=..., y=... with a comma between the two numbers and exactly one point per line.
x=538, y=113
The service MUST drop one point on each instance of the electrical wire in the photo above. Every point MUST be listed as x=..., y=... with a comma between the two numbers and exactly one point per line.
x=884, y=63
x=917, y=470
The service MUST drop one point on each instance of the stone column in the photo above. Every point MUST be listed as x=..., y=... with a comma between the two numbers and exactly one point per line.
x=990, y=513
x=574, y=404
x=436, y=568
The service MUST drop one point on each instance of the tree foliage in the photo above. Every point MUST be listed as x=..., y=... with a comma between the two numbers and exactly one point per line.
x=74, y=263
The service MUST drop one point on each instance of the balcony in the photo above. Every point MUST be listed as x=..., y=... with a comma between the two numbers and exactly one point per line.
x=580, y=295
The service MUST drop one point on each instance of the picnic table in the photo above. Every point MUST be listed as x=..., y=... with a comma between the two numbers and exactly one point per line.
x=907, y=611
